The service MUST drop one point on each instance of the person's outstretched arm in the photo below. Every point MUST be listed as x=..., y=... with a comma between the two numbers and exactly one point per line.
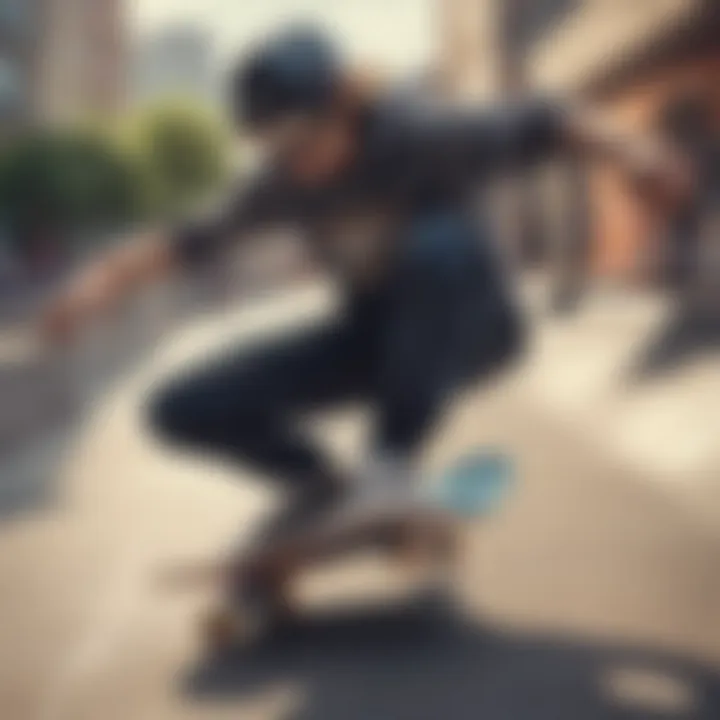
x=150, y=257
x=482, y=142
x=106, y=281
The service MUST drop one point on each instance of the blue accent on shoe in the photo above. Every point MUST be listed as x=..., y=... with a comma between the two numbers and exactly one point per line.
x=476, y=485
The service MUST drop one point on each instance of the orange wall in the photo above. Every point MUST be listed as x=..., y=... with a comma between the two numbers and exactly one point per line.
x=625, y=236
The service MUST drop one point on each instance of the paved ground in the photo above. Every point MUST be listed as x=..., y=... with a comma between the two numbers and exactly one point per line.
x=595, y=595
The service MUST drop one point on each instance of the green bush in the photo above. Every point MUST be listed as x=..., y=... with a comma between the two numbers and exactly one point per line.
x=58, y=184
x=55, y=184
x=184, y=154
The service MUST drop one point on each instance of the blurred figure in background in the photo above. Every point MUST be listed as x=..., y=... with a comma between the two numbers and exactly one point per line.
x=382, y=185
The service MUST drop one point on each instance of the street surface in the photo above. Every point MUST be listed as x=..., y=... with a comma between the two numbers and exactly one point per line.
x=594, y=595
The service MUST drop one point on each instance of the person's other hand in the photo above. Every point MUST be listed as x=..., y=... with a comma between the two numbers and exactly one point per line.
x=662, y=175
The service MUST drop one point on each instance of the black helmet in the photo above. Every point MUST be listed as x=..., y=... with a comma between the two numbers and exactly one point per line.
x=295, y=71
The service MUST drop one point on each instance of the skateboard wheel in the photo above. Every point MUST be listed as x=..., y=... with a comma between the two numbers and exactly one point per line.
x=238, y=622
x=432, y=543
x=224, y=628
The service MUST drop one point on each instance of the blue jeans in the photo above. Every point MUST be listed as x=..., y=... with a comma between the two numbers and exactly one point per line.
x=440, y=319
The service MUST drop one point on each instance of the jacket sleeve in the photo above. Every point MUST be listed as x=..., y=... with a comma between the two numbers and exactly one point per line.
x=484, y=141
x=205, y=236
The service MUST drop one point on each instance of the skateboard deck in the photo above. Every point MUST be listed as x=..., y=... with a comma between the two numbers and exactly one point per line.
x=422, y=533
x=422, y=529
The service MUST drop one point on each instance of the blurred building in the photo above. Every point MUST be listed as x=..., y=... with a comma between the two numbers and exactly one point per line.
x=652, y=63
x=83, y=59
x=176, y=62
x=21, y=32
x=60, y=60
x=470, y=47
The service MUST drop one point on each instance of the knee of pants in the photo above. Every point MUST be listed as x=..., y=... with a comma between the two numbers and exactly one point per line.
x=173, y=417
x=187, y=414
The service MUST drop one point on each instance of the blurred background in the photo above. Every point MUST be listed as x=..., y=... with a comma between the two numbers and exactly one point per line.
x=112, y=120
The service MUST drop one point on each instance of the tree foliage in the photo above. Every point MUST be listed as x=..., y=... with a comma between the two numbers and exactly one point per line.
x=62, y=182
x=184, y=154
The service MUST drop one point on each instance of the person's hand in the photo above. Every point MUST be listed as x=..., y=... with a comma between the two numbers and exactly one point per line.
x=659, y=172
x=661, y=175
x=105, y=284
x=81, y=302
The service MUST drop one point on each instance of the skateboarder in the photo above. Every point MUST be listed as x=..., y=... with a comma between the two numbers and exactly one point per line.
x=383, y=186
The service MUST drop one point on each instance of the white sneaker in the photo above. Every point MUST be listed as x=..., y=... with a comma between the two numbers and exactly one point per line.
x=383, y=485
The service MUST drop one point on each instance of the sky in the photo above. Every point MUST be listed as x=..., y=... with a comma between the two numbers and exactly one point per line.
x=397, y=34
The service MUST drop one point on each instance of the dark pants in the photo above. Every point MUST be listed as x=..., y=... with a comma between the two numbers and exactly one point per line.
x=440, y=319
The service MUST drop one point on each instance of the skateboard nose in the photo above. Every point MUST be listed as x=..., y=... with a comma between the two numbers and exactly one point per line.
x=477, y=484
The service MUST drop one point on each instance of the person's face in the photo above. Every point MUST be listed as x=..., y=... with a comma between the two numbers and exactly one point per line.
x=311, y=148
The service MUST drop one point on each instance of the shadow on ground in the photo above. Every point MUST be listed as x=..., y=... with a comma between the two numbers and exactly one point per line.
x=46, y=393
x=421, y=665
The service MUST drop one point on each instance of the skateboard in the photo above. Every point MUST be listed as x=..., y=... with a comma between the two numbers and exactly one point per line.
x=423, y=536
